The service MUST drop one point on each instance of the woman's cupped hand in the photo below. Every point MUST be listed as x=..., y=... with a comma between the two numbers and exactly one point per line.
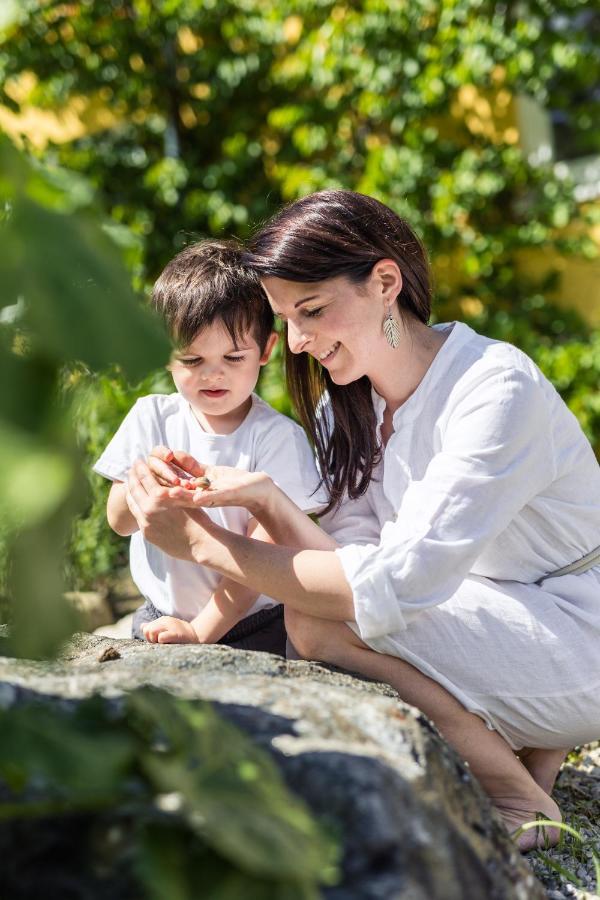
x=191, y=484
x=167, y=521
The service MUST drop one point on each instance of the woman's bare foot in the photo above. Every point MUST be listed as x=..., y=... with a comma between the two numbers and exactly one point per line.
x=542, y=765
x=516, y=812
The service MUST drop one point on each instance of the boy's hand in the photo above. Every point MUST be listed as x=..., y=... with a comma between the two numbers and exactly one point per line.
x=174, y=467
x=191, y=483
x=169, y=630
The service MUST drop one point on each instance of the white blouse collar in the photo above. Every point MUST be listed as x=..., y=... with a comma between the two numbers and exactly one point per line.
x=458, y=336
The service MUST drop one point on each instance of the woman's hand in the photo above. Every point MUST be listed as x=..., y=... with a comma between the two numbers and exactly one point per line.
x=162, y=520
x=169, y=630
x=227, y=486
x=310, y=581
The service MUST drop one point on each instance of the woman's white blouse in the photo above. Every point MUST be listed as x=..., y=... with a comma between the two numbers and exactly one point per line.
x=487, y=473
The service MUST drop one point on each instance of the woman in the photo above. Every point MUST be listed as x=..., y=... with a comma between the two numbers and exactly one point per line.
x=460, y=485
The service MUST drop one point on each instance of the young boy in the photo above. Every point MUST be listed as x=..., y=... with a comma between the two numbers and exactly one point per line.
x=222, y=330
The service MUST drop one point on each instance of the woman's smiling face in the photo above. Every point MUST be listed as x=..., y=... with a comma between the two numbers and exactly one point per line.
x=337, y=321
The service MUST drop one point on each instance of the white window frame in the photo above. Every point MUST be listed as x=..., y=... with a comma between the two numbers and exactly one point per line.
x=536, y=140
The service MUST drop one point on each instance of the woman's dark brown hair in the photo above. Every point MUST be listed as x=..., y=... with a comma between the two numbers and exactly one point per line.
x=322, y=236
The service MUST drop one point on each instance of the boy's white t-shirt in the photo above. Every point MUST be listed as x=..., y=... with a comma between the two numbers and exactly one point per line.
x=266, y=441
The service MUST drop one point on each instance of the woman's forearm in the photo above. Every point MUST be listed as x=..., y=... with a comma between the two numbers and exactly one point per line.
x=288, y=525
x=310, y=581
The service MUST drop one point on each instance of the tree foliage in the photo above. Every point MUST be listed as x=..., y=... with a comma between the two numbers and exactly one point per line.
x=223, y=110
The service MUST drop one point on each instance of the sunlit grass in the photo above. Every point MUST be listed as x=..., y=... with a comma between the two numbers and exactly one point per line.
x=577, y=847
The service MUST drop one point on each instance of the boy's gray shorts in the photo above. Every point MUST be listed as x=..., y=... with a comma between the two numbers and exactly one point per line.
x=263, y=630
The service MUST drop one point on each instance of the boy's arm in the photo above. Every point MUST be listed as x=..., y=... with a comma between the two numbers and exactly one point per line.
x=119, y=517
x=228, y=604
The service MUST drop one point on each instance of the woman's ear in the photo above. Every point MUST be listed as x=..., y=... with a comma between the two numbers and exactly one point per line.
x=388, y=280
x=269, y=347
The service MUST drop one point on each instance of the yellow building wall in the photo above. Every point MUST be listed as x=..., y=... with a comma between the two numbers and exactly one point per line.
x=579, y=281
x=493, y=114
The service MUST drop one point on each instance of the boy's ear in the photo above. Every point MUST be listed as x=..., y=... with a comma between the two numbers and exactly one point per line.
x=269, y=347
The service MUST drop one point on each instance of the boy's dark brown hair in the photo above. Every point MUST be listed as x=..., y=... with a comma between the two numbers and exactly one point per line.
x=208, y=282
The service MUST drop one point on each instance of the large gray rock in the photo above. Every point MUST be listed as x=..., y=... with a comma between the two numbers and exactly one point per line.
x=415, y=824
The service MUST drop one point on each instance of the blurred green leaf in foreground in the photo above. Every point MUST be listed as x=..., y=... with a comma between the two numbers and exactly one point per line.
x=201, y=810
x=66, y=298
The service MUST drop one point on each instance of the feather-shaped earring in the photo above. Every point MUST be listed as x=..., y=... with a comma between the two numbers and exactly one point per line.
x=391, y=329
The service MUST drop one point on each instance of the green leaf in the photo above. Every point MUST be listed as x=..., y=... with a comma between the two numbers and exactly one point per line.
x=172, y=865
x=31, y=401
x=232, y=794
x=34, y=479
x=69, y=760
x=41, y=617
x=93, y=756
x=11, y=15
x=78, y=302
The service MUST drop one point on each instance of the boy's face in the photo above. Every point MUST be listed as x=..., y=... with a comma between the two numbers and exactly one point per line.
x=216, y=377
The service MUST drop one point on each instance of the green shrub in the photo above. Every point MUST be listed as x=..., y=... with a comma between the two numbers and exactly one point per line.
x=99, y=403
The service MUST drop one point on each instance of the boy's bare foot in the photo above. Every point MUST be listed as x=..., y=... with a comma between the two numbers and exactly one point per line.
x=516, y=812
x=542, y=765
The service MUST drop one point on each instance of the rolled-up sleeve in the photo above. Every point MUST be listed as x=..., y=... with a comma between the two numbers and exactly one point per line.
x=494, y=458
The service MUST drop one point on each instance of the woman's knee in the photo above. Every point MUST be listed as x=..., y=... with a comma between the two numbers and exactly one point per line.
x=321, y=640
x=306, y=633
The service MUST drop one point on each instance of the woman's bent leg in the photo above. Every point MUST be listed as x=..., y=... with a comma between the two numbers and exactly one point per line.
x=543, y=765
x=503, y=776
